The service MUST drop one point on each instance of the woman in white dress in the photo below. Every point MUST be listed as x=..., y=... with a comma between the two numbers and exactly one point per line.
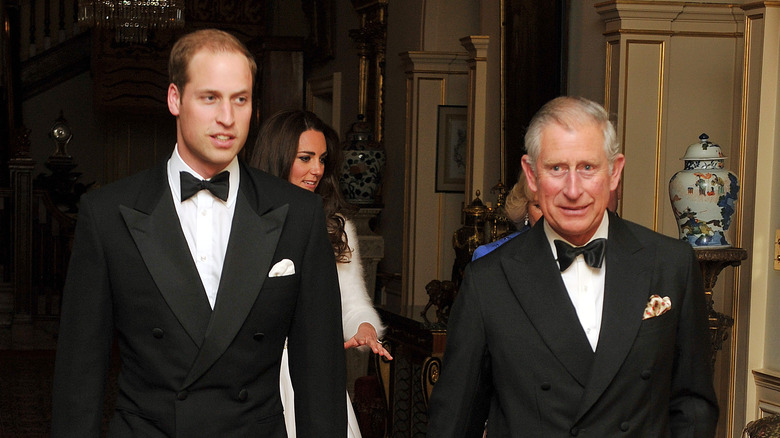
x=299, y=147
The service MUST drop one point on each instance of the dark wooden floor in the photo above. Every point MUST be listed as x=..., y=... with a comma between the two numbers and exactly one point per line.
x=25, y=393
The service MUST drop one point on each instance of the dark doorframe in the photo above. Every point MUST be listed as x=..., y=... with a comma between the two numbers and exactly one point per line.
x=535, y=61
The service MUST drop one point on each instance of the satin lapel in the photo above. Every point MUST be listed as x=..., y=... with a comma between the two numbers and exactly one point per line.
x=156, y=230
x=536, y=281
x=626, y=290
x=250, y=251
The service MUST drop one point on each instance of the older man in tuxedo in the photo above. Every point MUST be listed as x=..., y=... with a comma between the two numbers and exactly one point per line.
x=587, y=325
x=200, y=268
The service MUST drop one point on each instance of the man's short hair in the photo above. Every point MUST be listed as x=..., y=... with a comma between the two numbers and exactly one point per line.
x=570, y=112
x=214, y=40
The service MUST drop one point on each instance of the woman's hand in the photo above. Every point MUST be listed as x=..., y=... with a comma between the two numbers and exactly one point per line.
x=366, y=335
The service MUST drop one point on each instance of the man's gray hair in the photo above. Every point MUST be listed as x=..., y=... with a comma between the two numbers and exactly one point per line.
x=570, y=112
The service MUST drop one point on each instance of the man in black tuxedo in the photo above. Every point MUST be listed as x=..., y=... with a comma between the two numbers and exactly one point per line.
x=200, y=268
x=587, y=325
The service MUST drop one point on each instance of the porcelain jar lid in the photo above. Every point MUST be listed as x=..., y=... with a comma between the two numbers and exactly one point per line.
x=704, y=150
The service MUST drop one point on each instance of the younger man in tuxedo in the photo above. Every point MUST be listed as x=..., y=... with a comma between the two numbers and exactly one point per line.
x=200, y=268
x=587, y=325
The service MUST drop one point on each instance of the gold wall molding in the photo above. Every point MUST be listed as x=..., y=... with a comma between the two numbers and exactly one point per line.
x=430, y=218
x=761, y=100
x=678, y=34
x=641, y=127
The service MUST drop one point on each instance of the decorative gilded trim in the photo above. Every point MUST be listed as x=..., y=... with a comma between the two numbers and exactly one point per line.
x=742, y=166
x=673, y=33
x=658, y=145
x=737, y=280
x=659, y=116
x=610, y=47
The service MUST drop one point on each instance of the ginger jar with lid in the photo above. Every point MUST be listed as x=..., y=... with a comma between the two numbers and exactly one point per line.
x=704, y=196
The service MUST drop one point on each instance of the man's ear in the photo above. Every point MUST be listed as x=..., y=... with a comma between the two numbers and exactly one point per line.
x=530, y=173
x=174, y=99
x=617, y=170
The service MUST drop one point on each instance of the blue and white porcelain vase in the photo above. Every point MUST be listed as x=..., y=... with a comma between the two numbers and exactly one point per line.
x=704, y=196
x=364, y=161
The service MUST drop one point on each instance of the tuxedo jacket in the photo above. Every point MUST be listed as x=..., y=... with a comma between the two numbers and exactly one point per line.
x=517, y=355
x=188, y=370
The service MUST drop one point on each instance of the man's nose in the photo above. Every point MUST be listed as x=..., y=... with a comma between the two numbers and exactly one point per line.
x=225, y=115
x=573, y=185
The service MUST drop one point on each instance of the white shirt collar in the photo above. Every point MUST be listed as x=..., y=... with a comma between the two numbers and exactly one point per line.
x=176, y=164
x=601, y=232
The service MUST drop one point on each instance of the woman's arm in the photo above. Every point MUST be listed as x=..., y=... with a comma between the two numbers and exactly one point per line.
x=361, y=322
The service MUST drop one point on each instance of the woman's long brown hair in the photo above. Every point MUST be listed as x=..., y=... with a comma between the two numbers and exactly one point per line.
x=275, y=151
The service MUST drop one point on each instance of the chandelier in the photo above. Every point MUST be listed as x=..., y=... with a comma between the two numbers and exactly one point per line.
x=132, y=19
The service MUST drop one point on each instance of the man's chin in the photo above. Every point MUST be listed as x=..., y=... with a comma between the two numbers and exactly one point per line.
x=575, y=230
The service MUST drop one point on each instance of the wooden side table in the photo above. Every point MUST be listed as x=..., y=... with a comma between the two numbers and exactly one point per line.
x=712, y=261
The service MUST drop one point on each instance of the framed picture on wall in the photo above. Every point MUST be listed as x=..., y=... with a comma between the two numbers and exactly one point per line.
x=451, y=149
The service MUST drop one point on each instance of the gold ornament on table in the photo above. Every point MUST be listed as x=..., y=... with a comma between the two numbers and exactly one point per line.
x=468, y=237
x=497, y=222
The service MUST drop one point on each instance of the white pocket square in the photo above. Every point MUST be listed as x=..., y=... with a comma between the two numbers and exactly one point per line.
x=657, y=306
x=282, y=268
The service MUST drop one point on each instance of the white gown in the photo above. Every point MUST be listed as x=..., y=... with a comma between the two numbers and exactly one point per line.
x=356, y=308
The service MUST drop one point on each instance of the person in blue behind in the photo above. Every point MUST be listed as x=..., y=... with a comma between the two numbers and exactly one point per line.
x=522, y=209
x=547, y=341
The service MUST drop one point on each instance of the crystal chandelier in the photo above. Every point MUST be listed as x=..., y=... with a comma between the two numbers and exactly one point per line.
x=132, y=19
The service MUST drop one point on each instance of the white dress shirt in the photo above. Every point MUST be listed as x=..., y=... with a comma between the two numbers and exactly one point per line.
x=584, y=284
x=206, y=221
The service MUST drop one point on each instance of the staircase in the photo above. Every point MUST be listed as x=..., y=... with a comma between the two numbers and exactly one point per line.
x=51, y=47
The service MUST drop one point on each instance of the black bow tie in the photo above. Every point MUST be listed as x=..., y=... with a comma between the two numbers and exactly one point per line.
x=593, y=253
x=219, y=186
